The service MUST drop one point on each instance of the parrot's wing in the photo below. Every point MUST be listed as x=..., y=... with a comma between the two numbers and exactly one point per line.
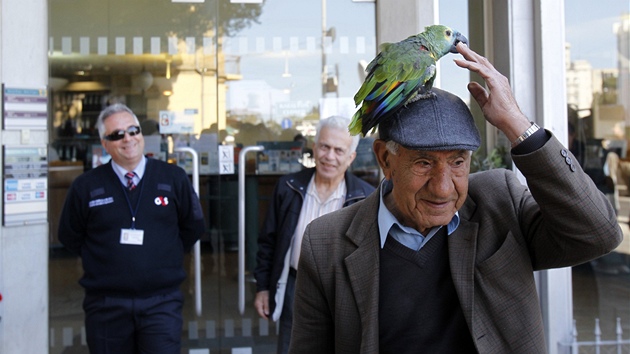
x=394, y=76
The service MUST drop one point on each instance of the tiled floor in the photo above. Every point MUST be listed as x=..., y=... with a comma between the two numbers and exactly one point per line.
x=600, y=294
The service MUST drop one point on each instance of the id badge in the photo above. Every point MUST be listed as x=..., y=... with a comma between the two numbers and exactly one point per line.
x=131, y=237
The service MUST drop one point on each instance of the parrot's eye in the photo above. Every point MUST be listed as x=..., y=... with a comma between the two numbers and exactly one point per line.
x=448, y=33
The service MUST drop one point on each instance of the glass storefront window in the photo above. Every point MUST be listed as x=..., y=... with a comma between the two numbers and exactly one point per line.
x=291, y=78
x=249, y=73
x=198, y=74
x=248, y=70
x=598, y=115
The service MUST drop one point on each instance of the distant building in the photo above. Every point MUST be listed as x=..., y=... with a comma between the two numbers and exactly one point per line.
x=602, y=96
x=579, y=77
x=622, y=30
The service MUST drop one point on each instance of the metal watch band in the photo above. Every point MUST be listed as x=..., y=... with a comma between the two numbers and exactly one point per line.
x=531, y=130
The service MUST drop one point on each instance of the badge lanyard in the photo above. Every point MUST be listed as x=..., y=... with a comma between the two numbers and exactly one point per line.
x=131, y=209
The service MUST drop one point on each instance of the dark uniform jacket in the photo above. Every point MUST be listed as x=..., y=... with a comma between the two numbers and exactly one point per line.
x=97, y=209
x=282, y=218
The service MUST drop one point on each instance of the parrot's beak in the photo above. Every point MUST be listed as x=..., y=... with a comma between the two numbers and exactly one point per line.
x=458, y=38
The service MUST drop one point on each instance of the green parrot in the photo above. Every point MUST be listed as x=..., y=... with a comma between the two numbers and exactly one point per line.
x=402, y=72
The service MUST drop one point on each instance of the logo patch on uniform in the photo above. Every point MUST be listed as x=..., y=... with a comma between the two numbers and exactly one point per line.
x=161, y=201
x=97, y=202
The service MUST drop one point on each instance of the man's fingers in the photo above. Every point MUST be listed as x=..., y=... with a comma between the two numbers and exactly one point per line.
x=466, y=52
x=262, y=311
x=261, y=303
x=478, y=92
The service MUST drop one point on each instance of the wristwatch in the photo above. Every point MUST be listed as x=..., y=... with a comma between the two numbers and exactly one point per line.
x=531, y=130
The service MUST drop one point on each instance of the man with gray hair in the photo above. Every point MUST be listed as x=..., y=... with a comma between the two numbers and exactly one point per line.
x=297, y=199
x=131, y=221
x=439, y=260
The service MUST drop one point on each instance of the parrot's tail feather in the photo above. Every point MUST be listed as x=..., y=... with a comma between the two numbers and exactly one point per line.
x=355, y=125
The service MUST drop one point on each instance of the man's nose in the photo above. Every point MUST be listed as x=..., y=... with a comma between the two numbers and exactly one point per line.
x=126, y=137
x=441, y=182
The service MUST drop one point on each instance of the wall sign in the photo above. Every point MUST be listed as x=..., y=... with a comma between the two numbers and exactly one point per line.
x=25, y=181
x=24, y=108
x=172, y=122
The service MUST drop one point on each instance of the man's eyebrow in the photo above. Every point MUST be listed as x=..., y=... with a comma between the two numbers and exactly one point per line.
x=334, y=146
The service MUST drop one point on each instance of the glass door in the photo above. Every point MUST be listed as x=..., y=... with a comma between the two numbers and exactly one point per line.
x=216, y=76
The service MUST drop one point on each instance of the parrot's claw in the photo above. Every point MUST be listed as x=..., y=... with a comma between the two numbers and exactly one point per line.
x=421, y=96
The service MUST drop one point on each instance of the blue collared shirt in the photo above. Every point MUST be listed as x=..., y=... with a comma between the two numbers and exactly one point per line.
x=389, y=225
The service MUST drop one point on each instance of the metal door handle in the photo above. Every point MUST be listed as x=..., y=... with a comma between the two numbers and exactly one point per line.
x=197, y=246
x=241, y=224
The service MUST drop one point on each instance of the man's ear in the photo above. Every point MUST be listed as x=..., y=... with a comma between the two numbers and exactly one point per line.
x=382, y=155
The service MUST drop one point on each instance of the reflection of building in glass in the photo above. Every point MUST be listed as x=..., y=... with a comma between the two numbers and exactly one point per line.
x=607, y=114
x=255, y=98
x=622, y=30
x=598, y=95
x=579, y=83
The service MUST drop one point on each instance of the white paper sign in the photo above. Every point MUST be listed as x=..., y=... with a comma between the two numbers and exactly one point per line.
x=226, y=159
x=172, y=122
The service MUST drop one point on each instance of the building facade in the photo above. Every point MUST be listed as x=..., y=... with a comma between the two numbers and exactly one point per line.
x=231, y=73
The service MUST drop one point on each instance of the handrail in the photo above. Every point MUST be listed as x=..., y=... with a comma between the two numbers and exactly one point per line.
x=241, y=224
x=197, y=246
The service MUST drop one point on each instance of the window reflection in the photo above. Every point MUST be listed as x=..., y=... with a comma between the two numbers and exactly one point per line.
x=291, y=79
x=598, y=117
x=237, y=74
x=248, y=77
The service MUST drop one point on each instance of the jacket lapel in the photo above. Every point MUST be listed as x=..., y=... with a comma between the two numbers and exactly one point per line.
x=462, y=245
x=363, y=265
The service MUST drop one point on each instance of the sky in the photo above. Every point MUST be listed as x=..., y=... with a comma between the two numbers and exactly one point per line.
x=589, y=30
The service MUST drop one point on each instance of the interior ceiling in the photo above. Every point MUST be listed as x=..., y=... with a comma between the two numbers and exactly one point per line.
x=70, y=66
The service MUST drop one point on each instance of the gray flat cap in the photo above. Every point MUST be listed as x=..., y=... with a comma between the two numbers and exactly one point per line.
x=440, y=122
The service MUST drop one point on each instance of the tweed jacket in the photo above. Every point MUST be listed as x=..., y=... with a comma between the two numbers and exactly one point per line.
x=507, y=231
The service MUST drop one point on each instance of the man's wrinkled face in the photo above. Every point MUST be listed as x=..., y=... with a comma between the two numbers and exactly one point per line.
x=428, y=186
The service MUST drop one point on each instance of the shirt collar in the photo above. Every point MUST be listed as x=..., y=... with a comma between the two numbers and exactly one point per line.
x=139, y=170
x=386, y=219
x=340, y=192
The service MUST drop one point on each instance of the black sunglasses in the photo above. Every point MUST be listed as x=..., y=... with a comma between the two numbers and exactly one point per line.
x=120, y=134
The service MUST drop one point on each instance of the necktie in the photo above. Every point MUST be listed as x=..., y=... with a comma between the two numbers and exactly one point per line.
x=129, y=177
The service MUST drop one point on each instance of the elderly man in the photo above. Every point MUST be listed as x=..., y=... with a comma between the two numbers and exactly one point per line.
x=131, y=221
x=297, y=199
x=440, y=261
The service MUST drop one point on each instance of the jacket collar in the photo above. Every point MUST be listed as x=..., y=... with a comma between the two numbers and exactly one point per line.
x=299, y=182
